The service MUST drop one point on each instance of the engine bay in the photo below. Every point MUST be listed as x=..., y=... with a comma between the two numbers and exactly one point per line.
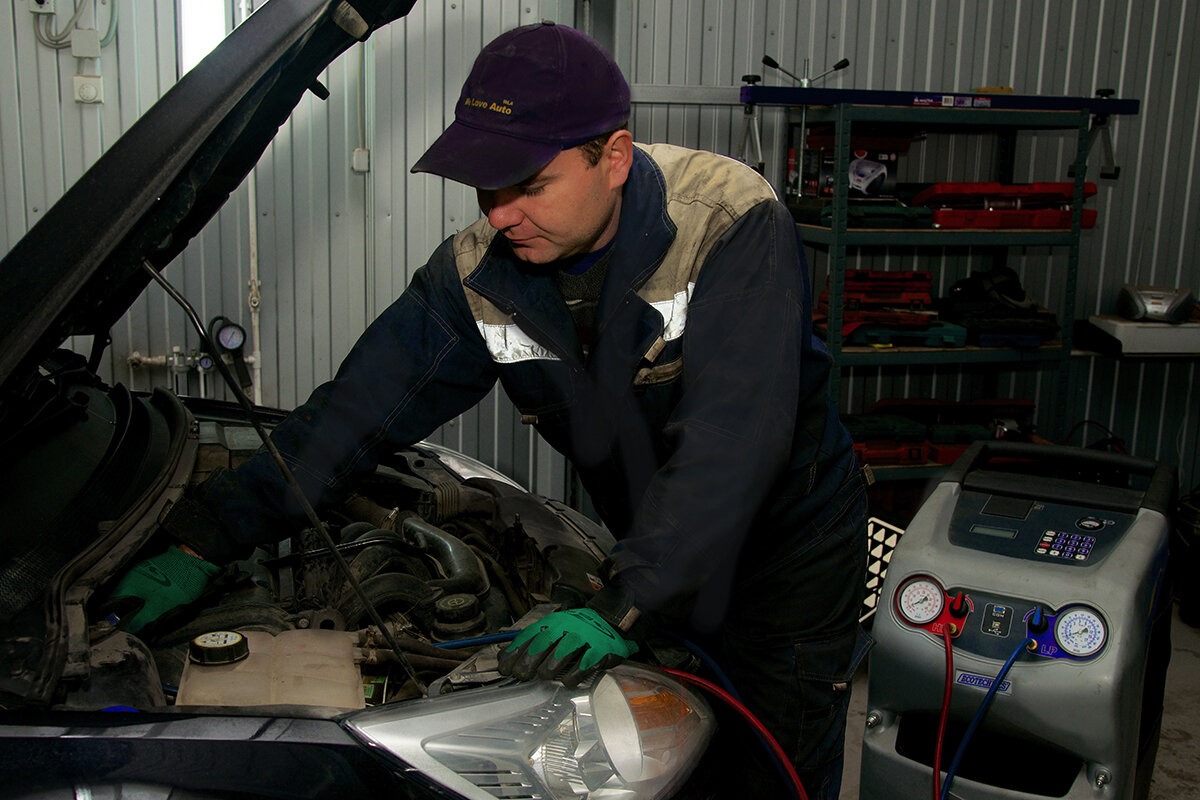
x=442, y=556
x=445, y=548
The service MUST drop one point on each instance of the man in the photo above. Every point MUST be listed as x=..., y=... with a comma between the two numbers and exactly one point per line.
x=648, y=309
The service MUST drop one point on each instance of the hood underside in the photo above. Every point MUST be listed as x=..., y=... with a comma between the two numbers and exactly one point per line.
x=79, y=268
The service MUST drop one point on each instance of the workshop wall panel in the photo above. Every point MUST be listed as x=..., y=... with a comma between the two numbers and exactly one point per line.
x=336, y=246
x=1147, y=231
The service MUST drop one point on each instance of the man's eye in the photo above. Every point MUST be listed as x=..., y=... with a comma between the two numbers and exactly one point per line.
x=531, y=191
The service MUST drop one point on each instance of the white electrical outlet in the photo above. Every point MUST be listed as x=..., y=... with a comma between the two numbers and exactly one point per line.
x=89, y=89
x=41, y=6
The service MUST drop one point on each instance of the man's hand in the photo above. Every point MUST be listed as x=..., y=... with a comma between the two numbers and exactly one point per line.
x=158, y=585
x=565, y=646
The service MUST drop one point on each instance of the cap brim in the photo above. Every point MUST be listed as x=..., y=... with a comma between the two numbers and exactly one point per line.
x=484, y=159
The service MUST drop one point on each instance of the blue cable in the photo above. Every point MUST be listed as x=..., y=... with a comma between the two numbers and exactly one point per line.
x=978, y=718
x=711, y=663
x=478, y=641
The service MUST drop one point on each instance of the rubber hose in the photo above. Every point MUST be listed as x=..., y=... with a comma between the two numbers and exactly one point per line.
x=464, y=571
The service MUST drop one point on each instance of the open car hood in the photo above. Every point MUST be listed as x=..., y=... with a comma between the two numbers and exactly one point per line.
x=78, y=269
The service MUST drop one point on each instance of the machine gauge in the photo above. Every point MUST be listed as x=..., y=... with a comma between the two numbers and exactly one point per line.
x=920, y=601
x=1080, y=632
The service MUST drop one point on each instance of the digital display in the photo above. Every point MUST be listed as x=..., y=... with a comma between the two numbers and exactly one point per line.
x=988, y=530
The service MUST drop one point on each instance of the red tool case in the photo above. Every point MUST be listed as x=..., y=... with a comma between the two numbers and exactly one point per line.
x=989, y=204
x=873, y=288
x=1010, y=218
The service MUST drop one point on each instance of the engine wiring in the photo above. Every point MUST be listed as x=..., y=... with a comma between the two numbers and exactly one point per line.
x=293, y=485
x=979, y=715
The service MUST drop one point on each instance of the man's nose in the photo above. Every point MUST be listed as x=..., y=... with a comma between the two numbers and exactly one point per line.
x=501, y=208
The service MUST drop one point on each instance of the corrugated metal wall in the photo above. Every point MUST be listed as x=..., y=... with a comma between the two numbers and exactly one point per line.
x=1148, y=219
x=336, y=246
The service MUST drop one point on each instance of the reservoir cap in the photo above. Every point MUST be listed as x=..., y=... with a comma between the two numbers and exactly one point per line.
x=218, y=647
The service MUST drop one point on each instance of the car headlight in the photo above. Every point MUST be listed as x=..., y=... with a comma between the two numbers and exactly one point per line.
x=634, y=734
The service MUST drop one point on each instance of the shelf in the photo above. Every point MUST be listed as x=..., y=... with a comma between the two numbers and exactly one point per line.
x=926, y=237
x=950, y=104
x=949, y=117
x=956, y=114
x=859, y=356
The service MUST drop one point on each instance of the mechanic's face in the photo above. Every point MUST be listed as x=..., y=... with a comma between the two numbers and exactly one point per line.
x=566, y=208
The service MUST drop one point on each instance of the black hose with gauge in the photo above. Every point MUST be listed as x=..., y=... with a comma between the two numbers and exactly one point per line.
x=1040, y=574
x=231, y=338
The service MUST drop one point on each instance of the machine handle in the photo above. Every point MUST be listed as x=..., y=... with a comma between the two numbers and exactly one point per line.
x=1159, y=494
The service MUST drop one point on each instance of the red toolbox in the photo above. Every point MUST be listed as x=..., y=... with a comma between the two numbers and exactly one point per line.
x=988, y=204
x=992, y=195
x=1040, y=218
x=883, y=453
x=873, y=288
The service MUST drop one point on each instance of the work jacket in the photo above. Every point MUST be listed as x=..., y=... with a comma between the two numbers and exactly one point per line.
x=699, y=423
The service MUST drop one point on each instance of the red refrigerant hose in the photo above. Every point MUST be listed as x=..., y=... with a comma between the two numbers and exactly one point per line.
x=748, y=715
x=941, y=734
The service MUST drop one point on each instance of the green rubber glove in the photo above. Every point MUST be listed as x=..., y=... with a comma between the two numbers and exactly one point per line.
x=157, y=585
x=566, y=646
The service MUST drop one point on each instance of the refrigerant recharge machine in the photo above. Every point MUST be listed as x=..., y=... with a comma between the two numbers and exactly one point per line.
x=1036, y=576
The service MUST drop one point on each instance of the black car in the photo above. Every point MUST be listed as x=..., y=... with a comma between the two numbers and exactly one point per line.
x=279, y=681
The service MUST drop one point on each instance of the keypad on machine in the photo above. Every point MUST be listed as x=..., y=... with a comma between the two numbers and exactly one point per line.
x=1071, y=546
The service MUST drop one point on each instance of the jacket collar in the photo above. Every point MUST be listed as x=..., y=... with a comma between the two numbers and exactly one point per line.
x=644, y=234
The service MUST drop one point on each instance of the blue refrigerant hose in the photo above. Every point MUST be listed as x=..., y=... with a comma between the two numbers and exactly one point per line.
x=478, y=641
x=979, y=714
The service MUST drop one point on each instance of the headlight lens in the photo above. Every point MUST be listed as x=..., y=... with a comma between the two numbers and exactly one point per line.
x=634, y=735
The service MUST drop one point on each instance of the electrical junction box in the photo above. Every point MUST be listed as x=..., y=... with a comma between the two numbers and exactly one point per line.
x=360, y=160
x=41, y=6
x=85, y=43
x=89, y=89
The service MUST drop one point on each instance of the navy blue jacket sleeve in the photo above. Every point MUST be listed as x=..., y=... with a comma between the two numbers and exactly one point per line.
x=418, y=365
x=749, y=394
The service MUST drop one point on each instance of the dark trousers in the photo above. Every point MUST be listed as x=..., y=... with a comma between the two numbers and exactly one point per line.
x=790, y=646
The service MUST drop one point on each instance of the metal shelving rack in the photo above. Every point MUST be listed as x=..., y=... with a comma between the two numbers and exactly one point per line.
x=839, y=237
x=958, y=114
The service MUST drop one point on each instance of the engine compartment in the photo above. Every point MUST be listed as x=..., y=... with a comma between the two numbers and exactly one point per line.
x=441, y=555
x=444, y=547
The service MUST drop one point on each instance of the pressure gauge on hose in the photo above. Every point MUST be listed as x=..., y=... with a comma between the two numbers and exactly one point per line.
x=1080, y=632
x=920, y=601
x=230, y=337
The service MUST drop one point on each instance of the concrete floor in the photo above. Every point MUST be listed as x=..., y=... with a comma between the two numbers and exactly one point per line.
x=1177, y=768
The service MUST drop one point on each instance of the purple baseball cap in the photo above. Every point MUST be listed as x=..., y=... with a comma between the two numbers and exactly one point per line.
x=533, y=92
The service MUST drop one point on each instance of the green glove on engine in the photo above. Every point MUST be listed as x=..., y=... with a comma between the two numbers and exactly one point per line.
x=157, y=585
x=565, y=646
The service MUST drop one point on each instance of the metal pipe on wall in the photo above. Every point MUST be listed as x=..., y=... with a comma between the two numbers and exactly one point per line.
x=254, y=298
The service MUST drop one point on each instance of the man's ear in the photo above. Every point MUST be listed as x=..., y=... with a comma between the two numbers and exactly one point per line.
x=619, y=155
